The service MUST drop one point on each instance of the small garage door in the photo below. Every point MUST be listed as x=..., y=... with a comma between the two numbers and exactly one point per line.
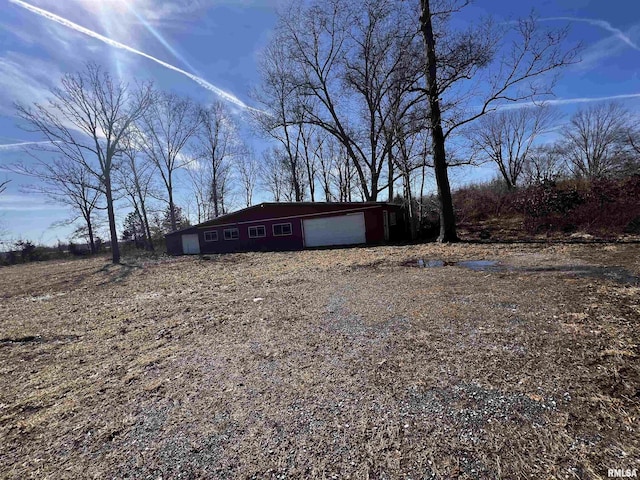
x=338, y=230
x=190, y=244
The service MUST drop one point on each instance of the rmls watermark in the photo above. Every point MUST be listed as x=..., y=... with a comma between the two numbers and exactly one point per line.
x=622, y=473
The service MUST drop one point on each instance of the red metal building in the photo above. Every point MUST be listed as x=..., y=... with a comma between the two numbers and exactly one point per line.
x=292, y=226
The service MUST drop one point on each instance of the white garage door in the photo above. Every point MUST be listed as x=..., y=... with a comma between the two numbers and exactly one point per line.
x=339, y=230
x=190, y=244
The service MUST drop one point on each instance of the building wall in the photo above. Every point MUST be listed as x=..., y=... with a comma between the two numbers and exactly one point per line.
x=174, y=244
x=269, y=215
x=245, y=243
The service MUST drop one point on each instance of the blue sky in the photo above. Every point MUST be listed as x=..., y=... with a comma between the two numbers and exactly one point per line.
x=219, y=41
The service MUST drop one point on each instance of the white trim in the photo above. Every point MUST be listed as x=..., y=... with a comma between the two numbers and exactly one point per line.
x=264, y=231
x=224, y=234
x=273, y=219
x=211, y=231
x=273, y=229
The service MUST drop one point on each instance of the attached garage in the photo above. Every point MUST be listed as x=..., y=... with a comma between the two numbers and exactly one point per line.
x=349, y=229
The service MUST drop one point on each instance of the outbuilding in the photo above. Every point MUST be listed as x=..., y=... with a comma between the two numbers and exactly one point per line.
x=292, y=226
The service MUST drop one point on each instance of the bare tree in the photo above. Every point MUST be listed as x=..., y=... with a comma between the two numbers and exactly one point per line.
x=470, y=72
x=327, y=159
x=273, y=175
x=201, y=189
x=136, y=179
x=86, y=121
x=248, y=176
x=217, y=144
x=311, y=151
x=544, y=164
x=507, y=138
x=68, y=183
x=595, y=140
x=331, y=64
x=283, y=119
x=165, y=129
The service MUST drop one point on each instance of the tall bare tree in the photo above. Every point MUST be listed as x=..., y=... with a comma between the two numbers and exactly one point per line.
x=596, y=140
x=86, y=121
x=164, y=131
x=3, y=185
x=217, y=144
x=282, y=120
x=470, y=72
x=507, y=138
x=248, y=177
x=136, y=179
x=273, y=175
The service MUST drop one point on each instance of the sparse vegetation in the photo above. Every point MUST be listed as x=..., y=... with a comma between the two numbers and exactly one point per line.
x=323, y=364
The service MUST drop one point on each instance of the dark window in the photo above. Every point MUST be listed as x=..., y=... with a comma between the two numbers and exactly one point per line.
x=211, y=236
x=231, y=234
x=257, y=231
x=281, y=229
x=392, y=219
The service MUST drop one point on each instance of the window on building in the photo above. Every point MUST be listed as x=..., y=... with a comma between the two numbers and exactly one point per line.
x=392, y=219
x=231, y=234
x=257, y=231
x=211, y=236
x=281, y=229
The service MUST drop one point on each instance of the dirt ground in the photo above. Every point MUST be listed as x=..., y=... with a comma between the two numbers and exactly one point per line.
x=380, y=363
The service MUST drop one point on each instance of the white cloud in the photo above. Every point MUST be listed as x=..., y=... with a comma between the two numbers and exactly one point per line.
x=27, y=203
x=24, y=79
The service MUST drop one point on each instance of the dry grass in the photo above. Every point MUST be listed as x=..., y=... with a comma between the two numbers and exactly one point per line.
x=324, y=364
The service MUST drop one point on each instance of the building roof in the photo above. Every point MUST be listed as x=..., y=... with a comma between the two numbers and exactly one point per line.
x=227, y=216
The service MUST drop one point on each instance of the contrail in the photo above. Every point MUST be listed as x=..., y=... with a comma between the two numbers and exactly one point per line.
x=14, y=146
x=567, y=101
x=113, y=43
x=602, y=24
x=158, y=36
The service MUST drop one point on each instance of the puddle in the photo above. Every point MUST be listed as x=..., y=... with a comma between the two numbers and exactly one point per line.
x=475, y=265
x=482, y=265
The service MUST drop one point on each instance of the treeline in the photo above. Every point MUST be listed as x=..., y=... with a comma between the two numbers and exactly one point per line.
x=586, y=180
x=114, y=147
x=605, y=208
x=25, y=251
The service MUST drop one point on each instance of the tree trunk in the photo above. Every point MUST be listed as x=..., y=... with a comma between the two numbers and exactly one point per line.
x=447, y=216
x=92, y=243
x=172, y=212
x=391, y=171
x=214, y=187
x=408, y=196
x=312, y=187
x=147, y=229
x=115, y=248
